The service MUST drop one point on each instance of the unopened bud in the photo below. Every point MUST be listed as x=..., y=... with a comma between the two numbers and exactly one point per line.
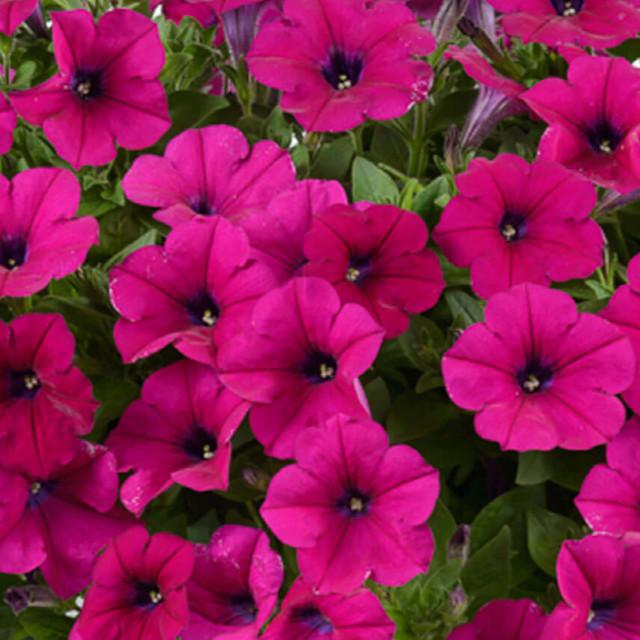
x=21, y=598
x=459, y=544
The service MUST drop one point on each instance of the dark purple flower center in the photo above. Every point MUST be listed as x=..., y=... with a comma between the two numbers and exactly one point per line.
x=203, y=310
x=23, y=384
x=86, y=84
x=567, y=8
x=534, y=377
x=202, y=206
x=602, y=611
x=13, y=252
x=244, y=608
x=354, y=503
x=40, y=491
x=147, y=595
x=359, y=269
x=200, y=444
x=312, y=618
x=342, y=70
x=604, y=137
x=320, y=367
x=513, y=227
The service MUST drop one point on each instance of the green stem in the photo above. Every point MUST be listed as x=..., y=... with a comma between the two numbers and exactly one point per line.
x=255, y=516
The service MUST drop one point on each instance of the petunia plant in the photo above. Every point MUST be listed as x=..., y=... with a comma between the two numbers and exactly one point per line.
x=320, y=319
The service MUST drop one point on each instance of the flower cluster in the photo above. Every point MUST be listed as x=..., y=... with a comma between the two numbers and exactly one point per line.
x=319, y=320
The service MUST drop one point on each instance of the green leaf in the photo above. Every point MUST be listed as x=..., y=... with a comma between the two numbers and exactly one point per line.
x=45, y=624
x=191, y=109
x=487, y=574
x=443, y=526
x=379, y=398
x=546, y=531
x=146, y=239
x=465, y=309
x=334, y=160
x=372, y=184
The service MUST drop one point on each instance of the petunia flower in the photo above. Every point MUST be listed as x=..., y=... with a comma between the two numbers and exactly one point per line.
x=425, y=9
x=175, y=10
x=300, y=361
x=277, y=232
x=376, y=256
x=208, y=172
x=353, y=507
x=138, y=589
x=623, y=310
x=234, y=586
x=241, y=25
x=44, y=399
x=609, y=499
x=196, y=292
x=178, y=432
x=589, y=23
x=58, y=520
x=306, y=614
x=13, y=13
x=106, y=90
x=517, y=222
x=599, y=579
x=540, y=374
x=40, y=237
x=503, y=620
x=334, y=76
x=594, y=120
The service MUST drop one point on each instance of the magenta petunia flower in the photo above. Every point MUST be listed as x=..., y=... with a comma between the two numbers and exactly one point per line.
x=333, y=76
x=277, y=232
x=301, y=361
x=589, y=23
x=60, y=519
x=43, y=398
x=178, y=432
x=376, y=256
x=425, y=9
x=306, y=614
x=354, y=507
x=176, y=10
x=504, y=620
x=8, y=120
x=13, y=13
x=540, y=374
x=138, y=589
x=208, y=172
x=106, y=90
x=609, y=499
x=514, y=222
x=599, y=579
x=196, y=292
x=594, y=120
x=40, y=237
x=234, y=587
x=623, y=310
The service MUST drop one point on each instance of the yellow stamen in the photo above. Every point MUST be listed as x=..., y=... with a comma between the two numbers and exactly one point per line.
x=356, y=504
x=509, y=232
x=155, y=597
x=532, y=383
x=327, y=371
x=209, y=317
x=207, y=452
x=352, y=274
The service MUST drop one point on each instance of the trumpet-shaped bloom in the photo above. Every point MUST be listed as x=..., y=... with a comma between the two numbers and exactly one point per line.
x=594, y=120
x=234, y=586
x=196, y=292
x=334, y=76
x=176, y=10
x=503, y=620
x=209, y=172
x=44, y=399
x=179, y=432
x=106, y=89
x=540, y=374
x=354, y=507
x=13, y=13
x=40, y=238
x=306, y=614
x=138, y=589
x=58, y=520
x=277, y=232
x=376, y=256
x=599, y=579
x=300, y=361
x=589, y=23
x=609, y=499
x=623, y=310
x=514, y=222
